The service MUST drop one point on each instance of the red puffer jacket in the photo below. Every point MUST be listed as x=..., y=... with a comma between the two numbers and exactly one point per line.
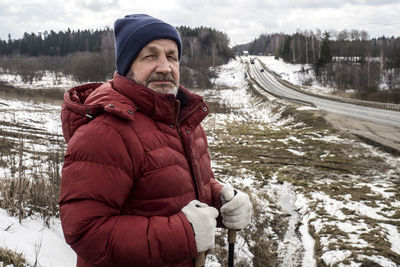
x=135, y=158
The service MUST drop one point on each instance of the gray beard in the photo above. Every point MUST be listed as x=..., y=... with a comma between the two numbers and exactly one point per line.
x=173, y=91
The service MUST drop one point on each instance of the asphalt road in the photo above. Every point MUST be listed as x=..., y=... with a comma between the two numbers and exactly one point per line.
x=379, y=125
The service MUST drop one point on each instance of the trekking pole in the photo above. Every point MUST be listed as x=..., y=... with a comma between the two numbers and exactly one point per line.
x=231, y=243
x=231, y=235
x=200, y=260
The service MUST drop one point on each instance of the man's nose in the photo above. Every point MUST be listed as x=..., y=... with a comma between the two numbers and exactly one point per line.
x=163, y=65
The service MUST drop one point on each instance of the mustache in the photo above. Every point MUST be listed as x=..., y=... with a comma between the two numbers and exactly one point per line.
x=161, y=77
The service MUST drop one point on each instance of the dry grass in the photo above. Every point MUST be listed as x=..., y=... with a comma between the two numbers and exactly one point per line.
x=51, y=95
x=29, y=188
x=9, y=257
x=24, y=196
x=310, y=118
x=238, y=147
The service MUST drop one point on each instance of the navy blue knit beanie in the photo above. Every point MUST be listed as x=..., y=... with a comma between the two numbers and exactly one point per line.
x=133, y=32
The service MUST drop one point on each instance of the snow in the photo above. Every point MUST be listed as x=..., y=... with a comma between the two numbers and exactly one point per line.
x=297, y=153
x=41, y=122
x=289, y=72
x=290, y=248
x=294, y=203
x=212, y=261
x=307, y=108
x=231, y=75
x=31, y=235
x=334, y=207
x=333, y=256
x=296, y=248
x=298, y=74
x=242, y=250
x=308, y=241
x=379, y=188
x=32, y=114
x=393, y=237
x=45, y=79
x=304, y=75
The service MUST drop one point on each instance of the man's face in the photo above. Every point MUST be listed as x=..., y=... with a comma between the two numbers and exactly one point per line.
x=157, y=66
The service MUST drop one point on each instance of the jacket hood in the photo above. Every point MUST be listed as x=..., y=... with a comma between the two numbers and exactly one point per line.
x=73, y=111
x=123, y=97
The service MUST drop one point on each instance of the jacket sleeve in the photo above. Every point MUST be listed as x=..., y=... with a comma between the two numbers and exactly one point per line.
x=96, y=182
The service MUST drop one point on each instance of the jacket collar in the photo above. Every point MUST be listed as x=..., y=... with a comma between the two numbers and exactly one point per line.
x=187, y=108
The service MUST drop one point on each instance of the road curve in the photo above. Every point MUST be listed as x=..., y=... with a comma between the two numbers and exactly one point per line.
x=379, y=125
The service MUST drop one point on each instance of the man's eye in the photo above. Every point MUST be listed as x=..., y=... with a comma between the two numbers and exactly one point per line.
x=172, y=58
x=149, y=56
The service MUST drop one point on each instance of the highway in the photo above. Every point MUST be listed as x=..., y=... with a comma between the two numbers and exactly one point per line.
x=272, y=85
x=379, y=125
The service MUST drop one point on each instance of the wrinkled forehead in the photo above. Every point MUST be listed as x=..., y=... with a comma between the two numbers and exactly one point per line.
x=158, y=45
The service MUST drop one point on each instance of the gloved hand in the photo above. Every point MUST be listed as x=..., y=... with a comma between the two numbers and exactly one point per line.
x=237, y=209
x=203, y=219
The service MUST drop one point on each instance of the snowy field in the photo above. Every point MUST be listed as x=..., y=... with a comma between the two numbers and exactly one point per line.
x=319, y=197
x=332, y=216
x=47, y=79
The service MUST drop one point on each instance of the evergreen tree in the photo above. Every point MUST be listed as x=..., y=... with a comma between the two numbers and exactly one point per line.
x=285, y=52
x=325, y=53
x=89, y=54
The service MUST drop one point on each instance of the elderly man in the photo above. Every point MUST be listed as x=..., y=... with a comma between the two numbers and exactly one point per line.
x=137, y=187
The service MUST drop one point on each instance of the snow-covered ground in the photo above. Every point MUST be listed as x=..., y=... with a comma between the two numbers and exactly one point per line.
x=304, y=75
x=318, y=217
x=298, y=74
x=294, y=73
x=34, y=240
x=46, y=79
x=38, y=125
x=308, y=208
x=36, y=128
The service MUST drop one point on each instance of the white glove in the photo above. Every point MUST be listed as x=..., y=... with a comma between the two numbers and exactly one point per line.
x=236, y=212
x=203, y=219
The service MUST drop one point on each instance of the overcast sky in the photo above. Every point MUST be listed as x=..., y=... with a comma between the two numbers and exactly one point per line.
x=241, y=20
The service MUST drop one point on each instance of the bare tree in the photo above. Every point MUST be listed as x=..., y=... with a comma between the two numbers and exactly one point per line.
x=107, y=51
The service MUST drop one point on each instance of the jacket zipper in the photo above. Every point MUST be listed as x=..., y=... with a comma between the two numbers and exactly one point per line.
x=187, y=150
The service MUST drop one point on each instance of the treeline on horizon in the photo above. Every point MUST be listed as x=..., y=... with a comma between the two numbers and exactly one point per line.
x=342, y=60
x=88, y=55
x=348, y=59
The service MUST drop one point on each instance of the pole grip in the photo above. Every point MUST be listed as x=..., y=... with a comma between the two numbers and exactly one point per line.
x=231, y=236
x=231, y=246
x=200, y=260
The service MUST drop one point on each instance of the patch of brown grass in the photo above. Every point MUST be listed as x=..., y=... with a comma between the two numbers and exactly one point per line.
x=9, y=257
x=51, y=95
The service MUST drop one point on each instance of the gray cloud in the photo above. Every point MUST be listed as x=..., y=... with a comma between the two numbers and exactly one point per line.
x=24, y=16
x=97, y=5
